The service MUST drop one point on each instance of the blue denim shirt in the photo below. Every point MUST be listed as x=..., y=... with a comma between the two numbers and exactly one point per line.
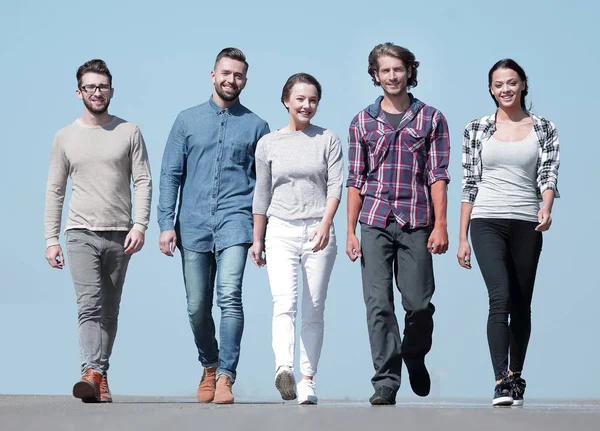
x=209, y=161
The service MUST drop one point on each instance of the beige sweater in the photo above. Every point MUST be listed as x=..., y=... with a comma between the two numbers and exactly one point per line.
x=100, y=160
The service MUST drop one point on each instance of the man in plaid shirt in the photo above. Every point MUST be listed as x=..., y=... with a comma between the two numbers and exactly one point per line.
x=397, y=160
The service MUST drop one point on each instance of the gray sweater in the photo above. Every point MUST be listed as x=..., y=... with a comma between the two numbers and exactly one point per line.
x=296, y=172
x=101, y=161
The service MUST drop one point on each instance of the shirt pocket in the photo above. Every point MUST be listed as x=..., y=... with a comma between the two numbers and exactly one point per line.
x=414, y=140
x=240, y=152
x=378, y=146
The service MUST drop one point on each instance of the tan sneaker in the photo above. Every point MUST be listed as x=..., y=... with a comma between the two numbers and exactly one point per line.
x=88, y=388
x=223, y=394
x=105, y=395
x=206, y=388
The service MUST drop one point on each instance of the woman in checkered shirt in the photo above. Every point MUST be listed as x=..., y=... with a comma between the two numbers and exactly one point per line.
x=510, y=164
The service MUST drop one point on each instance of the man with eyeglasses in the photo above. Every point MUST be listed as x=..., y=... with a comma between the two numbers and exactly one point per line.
x=209, y=163
x=100, y=153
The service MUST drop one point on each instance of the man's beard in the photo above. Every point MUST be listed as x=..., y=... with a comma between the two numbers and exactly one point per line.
x=396, y=91
x=94, y=110
x=227, y=97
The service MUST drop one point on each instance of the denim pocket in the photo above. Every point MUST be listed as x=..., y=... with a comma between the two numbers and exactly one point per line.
x=239, y=152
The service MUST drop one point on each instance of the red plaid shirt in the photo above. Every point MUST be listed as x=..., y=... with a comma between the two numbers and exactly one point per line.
x=395, y=168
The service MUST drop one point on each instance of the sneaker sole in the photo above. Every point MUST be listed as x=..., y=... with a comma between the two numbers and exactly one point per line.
x=85, y=392
x=286, y=385
x=310, y=401
x=502, y=401
x=517, y=403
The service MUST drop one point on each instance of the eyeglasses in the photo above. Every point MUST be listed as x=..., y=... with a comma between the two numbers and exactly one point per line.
x=104, y=88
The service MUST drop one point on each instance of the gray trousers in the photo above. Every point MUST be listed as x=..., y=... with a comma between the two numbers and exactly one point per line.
x=98, y=266
x=386, y=253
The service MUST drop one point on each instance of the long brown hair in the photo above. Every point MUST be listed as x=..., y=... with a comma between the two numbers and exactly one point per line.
x=388, y=49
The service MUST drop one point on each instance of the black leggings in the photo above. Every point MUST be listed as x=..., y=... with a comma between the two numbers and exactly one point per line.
x=507, y=252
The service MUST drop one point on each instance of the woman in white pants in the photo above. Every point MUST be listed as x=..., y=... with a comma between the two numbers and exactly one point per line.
x=298, y=189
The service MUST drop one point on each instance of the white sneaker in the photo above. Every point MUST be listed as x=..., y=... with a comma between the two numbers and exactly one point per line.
x=306, y=392
x=285, y=383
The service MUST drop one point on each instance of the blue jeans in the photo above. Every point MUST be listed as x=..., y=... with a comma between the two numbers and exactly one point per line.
x=199, y=273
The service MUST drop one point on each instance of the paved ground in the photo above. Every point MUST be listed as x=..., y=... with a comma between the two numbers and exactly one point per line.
x=50, y=413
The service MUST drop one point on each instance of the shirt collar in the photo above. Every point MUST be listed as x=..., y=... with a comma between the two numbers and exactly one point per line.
x=218, y=110
x=375, y=109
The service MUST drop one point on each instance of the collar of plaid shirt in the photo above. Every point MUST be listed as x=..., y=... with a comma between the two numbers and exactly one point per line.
x=374, y=110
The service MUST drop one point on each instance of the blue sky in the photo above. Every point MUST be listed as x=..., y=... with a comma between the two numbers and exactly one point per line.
x=161, y=55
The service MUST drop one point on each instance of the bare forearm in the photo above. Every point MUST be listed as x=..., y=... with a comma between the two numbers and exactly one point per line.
x=330, y=209
x=353, y=206
x=548, y=199
x=465, y=220
x=440, y=203
x=260, y=223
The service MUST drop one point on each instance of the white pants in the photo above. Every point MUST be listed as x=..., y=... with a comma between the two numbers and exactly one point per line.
x=288, y=248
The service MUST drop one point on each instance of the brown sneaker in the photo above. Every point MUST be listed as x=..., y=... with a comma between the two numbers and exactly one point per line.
x=105, y=395
x=223, y=394
x=206, y=388
x=88, y=388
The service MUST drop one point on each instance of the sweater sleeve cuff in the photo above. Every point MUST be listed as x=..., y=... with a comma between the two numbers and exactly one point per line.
x=52, y=241
x=139, y=227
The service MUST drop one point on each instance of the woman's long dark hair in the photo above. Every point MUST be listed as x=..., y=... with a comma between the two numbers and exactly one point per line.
x=509, y=63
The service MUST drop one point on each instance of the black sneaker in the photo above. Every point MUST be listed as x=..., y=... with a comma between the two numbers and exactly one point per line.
x=383, y=396
x=420, y=382
x=518, y=389
x=503, y=393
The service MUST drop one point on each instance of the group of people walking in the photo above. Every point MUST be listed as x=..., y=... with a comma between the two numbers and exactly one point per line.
x=242, y=190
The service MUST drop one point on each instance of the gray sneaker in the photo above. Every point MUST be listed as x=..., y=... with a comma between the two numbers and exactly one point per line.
x=285, y=383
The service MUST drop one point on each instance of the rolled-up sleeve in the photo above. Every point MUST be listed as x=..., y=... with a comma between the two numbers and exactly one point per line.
x=439, y=151
x=173, y=164
x=469, y=165
x=357, y=157
x=547, y=177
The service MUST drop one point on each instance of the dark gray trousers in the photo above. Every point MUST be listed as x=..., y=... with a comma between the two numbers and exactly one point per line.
x=400, y=253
